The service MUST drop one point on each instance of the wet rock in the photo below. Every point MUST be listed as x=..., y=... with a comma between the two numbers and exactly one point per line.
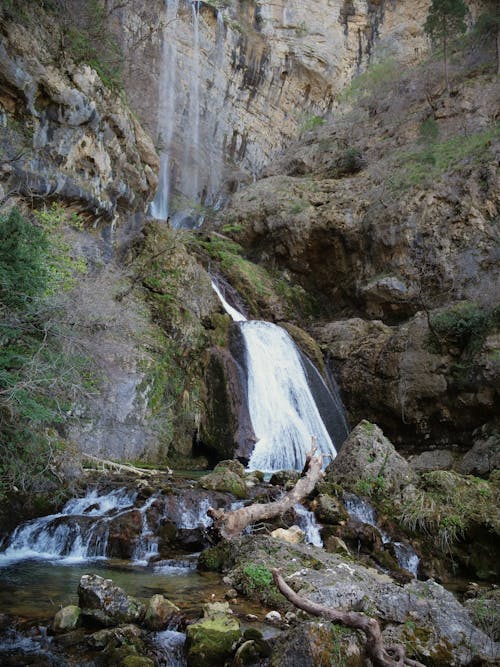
x=159, y=611
x=314, y=643
x=274, y=617
x=66, y=619
x=329, y=509
x=107, y=604
x=231, y=465
x=285, y=478
x=293, y=535
x=125, y=634
x=368, y=457
x=124, y=531
x=209, y=642
x=335, y=545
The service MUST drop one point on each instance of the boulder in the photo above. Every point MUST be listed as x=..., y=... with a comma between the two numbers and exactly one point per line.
x=436, y=459
x=484, y=456
x=224, y=479
x=329, y=509
x=209, y=642
x=159, y=611
x=368, y=461
x=107, y=604
x=293, y=535
x=66, y=619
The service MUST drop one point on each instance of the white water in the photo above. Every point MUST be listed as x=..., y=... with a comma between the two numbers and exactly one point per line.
x=159, y=207
x=282, y=409
x=283, y=412
x=362, y=510
x=172, y=644
x=146, y=546
x=67, y=535
x=306, y=520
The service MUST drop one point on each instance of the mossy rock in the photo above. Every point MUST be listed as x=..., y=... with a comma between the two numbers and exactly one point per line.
x=66, y=619
x=232, y=465
x=216, y=559
x=226, y=481
x=209, y=642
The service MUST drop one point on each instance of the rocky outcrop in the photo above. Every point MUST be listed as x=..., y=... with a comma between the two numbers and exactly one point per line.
x=367, y=456
x=426, y=618
x=67, y=135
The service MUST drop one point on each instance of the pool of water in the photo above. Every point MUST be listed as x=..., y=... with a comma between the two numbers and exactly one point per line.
x=35, y=590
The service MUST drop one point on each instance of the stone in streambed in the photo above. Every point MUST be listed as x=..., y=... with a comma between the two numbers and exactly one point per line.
x=159, y=611
x=209, y=642
x=66, y=619
x=107, y=604
x=292, y=535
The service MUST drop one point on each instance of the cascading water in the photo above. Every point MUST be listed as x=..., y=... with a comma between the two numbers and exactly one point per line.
x=307, y=521
x=362, y=511
x=282, y=409
x=159, y=207
x=78, y=532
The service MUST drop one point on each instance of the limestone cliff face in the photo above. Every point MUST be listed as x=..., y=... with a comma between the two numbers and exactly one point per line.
x=391, y=230
x=260, y=70
x=64, y=133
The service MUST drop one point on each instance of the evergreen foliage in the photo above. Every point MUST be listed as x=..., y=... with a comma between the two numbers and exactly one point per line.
x=37, y=376
x=445, y=20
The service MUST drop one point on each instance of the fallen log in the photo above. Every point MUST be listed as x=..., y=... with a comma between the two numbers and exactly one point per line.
x=106, y=464
x=381, y=655
x=229, y=524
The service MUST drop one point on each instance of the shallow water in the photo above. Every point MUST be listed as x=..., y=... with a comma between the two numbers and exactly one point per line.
x=36, y=589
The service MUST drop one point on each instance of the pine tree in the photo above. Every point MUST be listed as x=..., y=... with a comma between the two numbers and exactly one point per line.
x=445, y=20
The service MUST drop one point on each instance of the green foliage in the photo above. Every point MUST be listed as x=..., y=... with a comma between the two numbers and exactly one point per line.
x=446, y=505
x=465, y=326
x=23, y=272
x=445, y=19
x=256, y=577
x=311, y=122
x=417, y=168
x=370, y=486
x=37, y=380
x=376, y=79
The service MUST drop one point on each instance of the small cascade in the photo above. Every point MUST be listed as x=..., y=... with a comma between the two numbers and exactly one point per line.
x=196, y=517
x=146, y=546
x=192, y=138
x=172, y=644
x=78, y=532
x=407, y=557
x=282, y=408
x=362, y=511
x=306, y=520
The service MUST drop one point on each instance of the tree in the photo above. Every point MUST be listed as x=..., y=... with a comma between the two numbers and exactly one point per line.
x=445, y=20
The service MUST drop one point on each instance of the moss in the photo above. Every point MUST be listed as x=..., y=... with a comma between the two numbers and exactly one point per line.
x=216, y=559
x=209, y=642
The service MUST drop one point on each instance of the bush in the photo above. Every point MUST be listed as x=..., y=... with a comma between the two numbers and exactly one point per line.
x=37, y=377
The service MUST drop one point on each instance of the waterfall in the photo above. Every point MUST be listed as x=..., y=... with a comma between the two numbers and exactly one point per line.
x=78, y=532
x=146, y=546
x=160, y=206
x=307, y=521
x=282, y=409
x=362, y=511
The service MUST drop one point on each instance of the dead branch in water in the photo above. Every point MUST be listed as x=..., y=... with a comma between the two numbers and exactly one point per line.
x=382, y=655
x=106, y=464
x=229, y=524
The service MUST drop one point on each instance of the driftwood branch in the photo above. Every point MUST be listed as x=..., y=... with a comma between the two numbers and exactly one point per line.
x=382, y=655
x=106, y=464
x=229, y=524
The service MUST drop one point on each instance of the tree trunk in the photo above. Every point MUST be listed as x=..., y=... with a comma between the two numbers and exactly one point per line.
x=229, y=524
x=381, y=655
